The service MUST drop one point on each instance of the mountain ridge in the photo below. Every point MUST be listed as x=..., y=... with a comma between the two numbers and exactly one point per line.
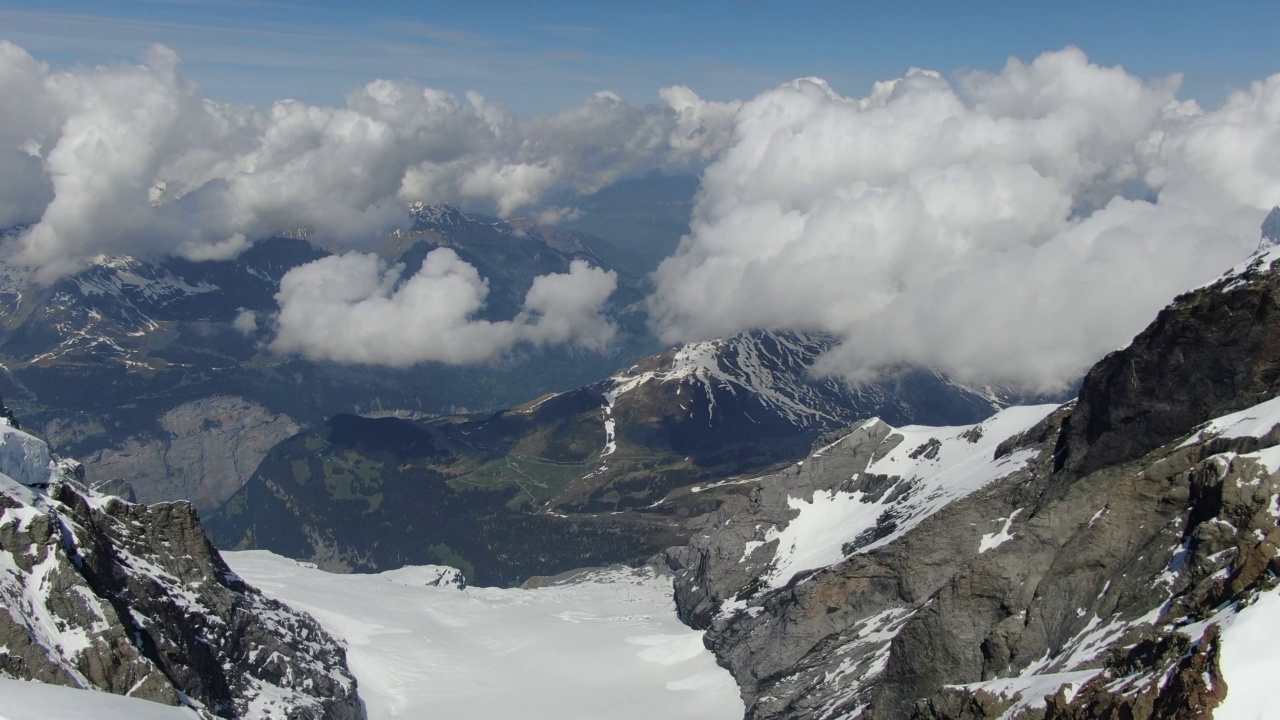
x=1096, y=563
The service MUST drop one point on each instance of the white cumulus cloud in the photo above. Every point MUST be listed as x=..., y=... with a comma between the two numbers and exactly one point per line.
x=130, y=159
x=1010, y=227
x=354, y=309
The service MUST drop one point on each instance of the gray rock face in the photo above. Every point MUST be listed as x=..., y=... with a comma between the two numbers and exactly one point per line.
x=1211, y=352
x=133, y=600
x=207, y=450
x=1093, y=549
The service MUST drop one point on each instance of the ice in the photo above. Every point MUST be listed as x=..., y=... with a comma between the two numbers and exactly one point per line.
x=607, y=644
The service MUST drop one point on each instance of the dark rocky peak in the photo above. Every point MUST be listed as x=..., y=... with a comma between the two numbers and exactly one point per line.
x=1213, y=351
x=133, y=600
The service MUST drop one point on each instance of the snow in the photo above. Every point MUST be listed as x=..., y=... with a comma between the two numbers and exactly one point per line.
x=610, y=437
x=963, y=463
x=1261, y=259
x=1251, y=422
x=606, y=644
x=40, y=701
x=1032, y=690
x=991, y=541
x=741, y=363
x=816, y=537
x=25, y=458
x=1249, y=661
x=1268, y=458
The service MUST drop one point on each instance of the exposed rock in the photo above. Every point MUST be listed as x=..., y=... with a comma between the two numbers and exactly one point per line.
x=1211, y=352
x=1079, y=577
x=133, y=600
x=208, y=450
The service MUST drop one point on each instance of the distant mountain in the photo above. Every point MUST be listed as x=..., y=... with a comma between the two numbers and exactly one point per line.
x=602, y=474
x=136, y=365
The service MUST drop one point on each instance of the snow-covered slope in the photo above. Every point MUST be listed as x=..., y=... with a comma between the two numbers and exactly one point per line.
x=604, y=644
x=819, y=588
x=770, y=374
x=936, y=465
x=29, y=700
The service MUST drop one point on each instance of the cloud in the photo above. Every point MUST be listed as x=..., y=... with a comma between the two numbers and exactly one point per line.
x=1008, y=227
x=553, y=215
x=246, y=322
x=354, y=309
x=130, y=159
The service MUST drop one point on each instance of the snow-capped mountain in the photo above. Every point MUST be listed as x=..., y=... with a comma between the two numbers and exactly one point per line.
x=601, y=474
x=133, y=362
x=1112, y=557
x=132, y=600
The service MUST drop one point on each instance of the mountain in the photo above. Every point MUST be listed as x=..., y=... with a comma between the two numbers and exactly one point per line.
x=606, y=473
x=1114, y=557
x=106, y=595
x=137, y=365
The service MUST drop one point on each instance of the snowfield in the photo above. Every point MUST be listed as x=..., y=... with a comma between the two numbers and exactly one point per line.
x=606, y=645
x=23, y=700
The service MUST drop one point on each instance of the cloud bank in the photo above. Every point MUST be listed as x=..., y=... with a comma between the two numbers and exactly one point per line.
x=129, y=159
x=354, y=309
x=1007, y=227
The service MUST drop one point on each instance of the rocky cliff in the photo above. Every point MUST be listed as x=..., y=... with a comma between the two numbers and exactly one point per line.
x=1088, y=560
x=103, y=594
x=203, y=451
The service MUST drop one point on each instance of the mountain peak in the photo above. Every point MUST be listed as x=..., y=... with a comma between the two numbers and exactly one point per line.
x=441, y=214
x=1270, y=230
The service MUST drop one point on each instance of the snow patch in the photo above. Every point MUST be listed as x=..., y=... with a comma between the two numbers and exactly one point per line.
x=991, y=541
x=1251, y=422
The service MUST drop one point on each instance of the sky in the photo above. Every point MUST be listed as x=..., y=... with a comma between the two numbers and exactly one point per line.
x=1004, y=191
x=541, y=56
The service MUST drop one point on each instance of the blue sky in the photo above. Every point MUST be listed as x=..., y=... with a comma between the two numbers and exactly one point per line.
x=539, y=56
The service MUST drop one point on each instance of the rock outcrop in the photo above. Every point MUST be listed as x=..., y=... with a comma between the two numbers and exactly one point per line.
x=1211, y=352
x=1071, y=562
x=204, y=452
x=132, y=599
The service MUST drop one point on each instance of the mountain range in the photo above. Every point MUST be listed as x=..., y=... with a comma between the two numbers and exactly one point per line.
x=1116, y=556
x=184, y=405
x=605, y=473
